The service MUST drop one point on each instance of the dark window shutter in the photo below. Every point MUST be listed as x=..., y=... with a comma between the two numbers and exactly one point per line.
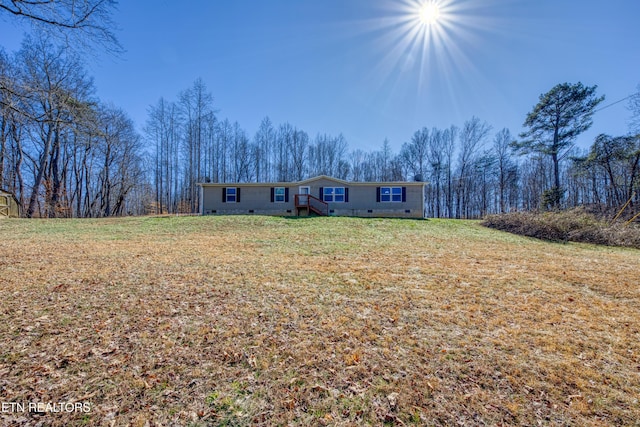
x=237, y=195
x=286, y=195
x=322, y=193
x=224, y=194
x=346, y=195
x=404, y=194
x=272, y=194
x=378, y=194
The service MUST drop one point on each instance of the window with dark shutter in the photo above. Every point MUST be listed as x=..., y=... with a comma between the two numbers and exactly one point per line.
x=279, y=194
x=333, y=194
x=378, y=194
x=391, y=194
x=346, y=195
x=230, y=195
x=286, y=195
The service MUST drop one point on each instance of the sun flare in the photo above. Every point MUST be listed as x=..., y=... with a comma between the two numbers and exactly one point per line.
x=429, y=13
x=424, y=39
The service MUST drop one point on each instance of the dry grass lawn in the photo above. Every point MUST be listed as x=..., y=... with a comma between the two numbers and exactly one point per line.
x=327, y=321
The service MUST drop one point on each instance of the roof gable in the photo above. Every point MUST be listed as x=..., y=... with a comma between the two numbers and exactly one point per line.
x=325, y=178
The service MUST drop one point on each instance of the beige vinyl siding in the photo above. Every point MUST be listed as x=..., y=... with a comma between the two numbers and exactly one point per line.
x=253, y=200
x=361, y=199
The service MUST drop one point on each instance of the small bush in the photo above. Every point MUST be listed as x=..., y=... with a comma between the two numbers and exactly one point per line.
x=574, y=225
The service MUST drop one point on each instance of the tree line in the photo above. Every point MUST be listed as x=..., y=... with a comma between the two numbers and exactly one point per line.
x=471, y=170
x=65, y=153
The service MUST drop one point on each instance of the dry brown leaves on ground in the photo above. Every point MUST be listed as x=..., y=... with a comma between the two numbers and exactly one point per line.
x=326, y=321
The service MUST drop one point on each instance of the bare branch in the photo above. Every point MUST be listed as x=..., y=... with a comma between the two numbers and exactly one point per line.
x=79, y=23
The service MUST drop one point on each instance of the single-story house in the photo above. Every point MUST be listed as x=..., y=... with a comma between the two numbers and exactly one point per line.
x=9, y=205
x=321, y=195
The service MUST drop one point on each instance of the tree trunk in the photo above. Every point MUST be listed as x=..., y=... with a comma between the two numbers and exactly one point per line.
x=33, y=201
x=55, y=176
x=3, y=143
x=557, y=194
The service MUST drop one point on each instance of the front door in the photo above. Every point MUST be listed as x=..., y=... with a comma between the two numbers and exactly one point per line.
x=303, y=192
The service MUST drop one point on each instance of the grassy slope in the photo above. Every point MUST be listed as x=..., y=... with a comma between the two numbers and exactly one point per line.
x=336, y=321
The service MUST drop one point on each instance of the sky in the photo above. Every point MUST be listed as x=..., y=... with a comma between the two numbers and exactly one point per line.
x=370, y=69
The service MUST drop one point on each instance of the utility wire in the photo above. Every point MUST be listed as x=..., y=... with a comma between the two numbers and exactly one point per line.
x=617, y=102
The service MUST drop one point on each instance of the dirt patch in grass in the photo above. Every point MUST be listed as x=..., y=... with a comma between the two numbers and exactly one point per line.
x=575, y=225
x=326, y=321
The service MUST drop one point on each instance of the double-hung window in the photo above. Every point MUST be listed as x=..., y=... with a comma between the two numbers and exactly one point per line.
x=278, y=195
x=231, y=195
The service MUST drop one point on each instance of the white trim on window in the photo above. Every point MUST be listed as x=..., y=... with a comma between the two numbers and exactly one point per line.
x=333, y=194
x=279, y=194
x=231, y=195
x=391, y=194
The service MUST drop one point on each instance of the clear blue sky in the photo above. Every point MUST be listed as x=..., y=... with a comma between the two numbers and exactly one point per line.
x=366, y=68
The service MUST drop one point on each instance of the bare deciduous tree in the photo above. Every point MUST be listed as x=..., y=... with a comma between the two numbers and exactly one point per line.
x=502, y=149
x=55, y=91
x=75, y=23
x=472, y=137
x=415, y=153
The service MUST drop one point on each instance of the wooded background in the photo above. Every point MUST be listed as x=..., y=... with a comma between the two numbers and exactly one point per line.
x=65, y=153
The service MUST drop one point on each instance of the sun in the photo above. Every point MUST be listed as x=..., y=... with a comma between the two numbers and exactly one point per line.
x=429, y=13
